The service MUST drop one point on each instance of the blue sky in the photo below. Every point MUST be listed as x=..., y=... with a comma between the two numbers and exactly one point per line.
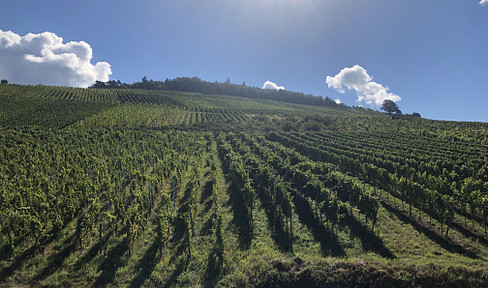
x=431, y=54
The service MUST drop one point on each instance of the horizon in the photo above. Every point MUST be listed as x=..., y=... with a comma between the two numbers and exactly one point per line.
x=356, y=53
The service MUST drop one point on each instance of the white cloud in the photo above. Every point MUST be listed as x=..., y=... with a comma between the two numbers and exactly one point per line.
x=338, y=101
x=484, y=2
x=272, y=86
x=44, y=59
x=356, y=78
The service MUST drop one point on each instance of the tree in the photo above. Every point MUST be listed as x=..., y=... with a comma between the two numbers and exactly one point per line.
x=4, y=81
x=208, y=89
x=390, y=107
x=98, y=84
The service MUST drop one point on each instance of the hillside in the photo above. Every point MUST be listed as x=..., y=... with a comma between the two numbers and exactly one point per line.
x=127, y=187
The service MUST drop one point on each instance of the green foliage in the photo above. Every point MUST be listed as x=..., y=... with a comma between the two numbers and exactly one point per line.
x=127, y=187
x=197, y=85
x=390, y=107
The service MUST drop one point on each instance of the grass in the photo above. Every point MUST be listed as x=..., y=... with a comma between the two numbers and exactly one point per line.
x=402, y=251
x=262, y=264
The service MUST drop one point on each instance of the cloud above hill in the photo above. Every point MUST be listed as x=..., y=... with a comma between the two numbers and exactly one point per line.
x=44, y=59
x=272, y=86
x=356, y=78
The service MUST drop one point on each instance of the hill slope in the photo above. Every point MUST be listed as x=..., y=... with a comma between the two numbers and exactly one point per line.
x=136, y=188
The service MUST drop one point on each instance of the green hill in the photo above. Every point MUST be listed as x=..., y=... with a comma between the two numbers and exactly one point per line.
x=127, y=187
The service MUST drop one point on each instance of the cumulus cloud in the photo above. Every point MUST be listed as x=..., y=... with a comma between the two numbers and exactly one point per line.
x=338, y=101
x=356, y=78
x=484, y=2
x=272, y=86
x=44, y=59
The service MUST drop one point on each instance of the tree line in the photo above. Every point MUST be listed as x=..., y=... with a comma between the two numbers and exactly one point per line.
x=197, y=85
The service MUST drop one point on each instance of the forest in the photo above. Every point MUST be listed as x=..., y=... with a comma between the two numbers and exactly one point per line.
x=224, y=185
x=195, y=84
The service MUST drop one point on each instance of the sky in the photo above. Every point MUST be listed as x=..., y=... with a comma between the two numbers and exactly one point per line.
x=430, y=57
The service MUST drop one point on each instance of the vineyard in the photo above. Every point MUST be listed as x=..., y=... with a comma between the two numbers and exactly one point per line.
x=127, y=187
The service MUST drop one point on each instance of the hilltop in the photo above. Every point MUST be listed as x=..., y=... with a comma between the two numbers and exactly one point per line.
x=158, y=187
